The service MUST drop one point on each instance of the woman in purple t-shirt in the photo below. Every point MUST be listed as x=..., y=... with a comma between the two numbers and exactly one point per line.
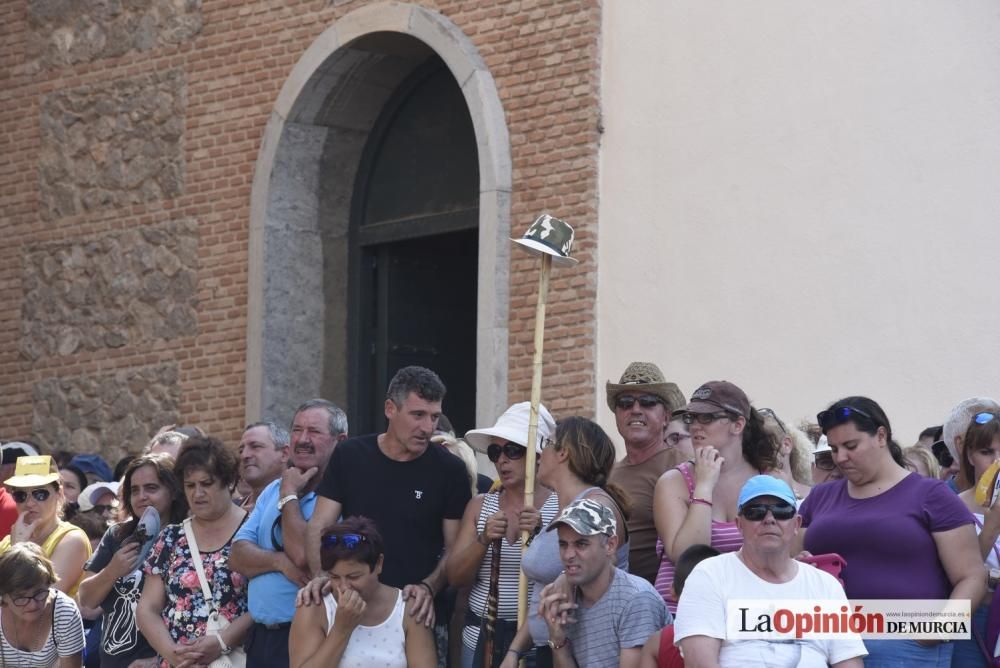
x=903, y=536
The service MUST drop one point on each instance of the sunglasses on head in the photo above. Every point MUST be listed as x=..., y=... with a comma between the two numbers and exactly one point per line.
x=40, y=495
x=755, y=512
x=348, y=540
x=626, y=401
x=703, y=418
x=767, y=412
x=512, y=450
x=832, y=418
x=983, y=418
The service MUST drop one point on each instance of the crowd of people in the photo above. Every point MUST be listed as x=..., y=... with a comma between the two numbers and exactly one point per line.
x=305, y=546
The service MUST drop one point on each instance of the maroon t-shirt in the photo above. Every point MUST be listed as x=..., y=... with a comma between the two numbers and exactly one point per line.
x=8, y=512
x=886, y=539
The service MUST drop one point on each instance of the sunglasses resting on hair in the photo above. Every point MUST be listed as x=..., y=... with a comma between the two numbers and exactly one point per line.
x=983, y=418
x=348, y=540
x=755, y=512
x=827, y=419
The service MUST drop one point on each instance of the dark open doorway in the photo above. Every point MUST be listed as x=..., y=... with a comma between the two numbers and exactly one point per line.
x=414, y=248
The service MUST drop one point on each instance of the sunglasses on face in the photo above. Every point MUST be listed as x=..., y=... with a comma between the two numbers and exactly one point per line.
x=626, y=401
x=40, y=495
x=983, y=418
x=755, y=512
x=827, y=419
x=676, y=437
x=702, y=418
x=824, y=462
x=348, y=540
x=511, y=450
x=38, y=597
x=940, y=452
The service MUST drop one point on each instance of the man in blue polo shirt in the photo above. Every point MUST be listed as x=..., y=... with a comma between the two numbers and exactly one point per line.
x=269, y=548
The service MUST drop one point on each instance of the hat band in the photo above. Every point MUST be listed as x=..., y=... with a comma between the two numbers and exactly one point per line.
x=539, y=240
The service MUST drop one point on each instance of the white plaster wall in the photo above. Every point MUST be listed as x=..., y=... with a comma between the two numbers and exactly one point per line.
x=803, y=198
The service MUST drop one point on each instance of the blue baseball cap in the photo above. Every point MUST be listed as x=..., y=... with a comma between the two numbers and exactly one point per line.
x=765, y=485
x=93, y=464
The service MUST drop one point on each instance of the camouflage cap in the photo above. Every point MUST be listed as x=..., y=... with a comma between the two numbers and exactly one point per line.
x=586, y=517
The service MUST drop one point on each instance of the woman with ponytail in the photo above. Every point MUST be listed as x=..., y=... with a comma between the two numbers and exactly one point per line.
x=903, y=536
x=695, y=503
x=574, y=466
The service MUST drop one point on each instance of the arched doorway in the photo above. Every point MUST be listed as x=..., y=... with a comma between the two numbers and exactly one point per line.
x=414, y=238
x=315, y=218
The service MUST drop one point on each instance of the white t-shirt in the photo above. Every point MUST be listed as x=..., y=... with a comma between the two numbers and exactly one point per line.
x=702, y=612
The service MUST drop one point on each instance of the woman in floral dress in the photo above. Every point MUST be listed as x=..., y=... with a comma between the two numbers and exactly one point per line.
x=172, y=611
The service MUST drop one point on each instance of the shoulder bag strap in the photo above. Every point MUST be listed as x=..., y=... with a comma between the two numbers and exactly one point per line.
x=196, y=558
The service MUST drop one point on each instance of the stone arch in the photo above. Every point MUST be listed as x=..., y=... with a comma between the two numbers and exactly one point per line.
x=301, y=198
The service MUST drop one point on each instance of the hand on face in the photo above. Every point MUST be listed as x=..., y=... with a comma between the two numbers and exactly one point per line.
x=707, y=467
x=555, y=607
x=350, y=609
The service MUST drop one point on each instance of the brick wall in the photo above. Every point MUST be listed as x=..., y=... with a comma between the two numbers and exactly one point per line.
x=72, y=187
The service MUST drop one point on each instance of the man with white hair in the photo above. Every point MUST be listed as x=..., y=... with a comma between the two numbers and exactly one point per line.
x=955, y=426
x=761, y=570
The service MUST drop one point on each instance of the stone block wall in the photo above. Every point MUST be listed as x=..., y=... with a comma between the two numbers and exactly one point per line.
x=130, y=130
x=111, y=144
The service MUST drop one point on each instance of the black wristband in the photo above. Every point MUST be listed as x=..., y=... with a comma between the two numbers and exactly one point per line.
x=429, y=588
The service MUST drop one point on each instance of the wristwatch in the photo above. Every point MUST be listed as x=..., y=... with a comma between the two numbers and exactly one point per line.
x=286, y=499
x=554, y=646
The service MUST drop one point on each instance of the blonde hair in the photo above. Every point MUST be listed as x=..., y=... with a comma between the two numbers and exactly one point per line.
x=926, y=457
x=463, y=451
x=25, y=567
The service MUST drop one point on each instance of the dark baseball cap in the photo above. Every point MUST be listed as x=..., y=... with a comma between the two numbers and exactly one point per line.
x=718, y=394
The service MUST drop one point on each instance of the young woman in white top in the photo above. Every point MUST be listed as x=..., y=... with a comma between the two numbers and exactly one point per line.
x=363, y=623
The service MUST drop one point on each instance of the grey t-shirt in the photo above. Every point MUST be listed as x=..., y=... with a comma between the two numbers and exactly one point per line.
x=629, y=612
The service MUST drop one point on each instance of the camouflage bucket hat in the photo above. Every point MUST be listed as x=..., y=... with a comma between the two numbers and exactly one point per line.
x=586, y=517
x=645, y=378
x=549, y=236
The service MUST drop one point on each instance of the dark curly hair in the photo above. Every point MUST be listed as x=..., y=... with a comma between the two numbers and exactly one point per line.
x=209, y=455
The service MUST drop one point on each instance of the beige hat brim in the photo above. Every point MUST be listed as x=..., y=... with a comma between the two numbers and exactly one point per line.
x=539, y=249
x=31, y=480
x=671, y=395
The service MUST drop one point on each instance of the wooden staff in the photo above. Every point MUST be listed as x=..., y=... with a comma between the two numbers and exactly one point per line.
x=536, y=398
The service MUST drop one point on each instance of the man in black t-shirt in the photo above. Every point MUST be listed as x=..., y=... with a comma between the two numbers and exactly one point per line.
x=414, y=490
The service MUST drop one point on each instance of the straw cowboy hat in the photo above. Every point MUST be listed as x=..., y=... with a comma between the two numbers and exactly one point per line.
x=645, y=378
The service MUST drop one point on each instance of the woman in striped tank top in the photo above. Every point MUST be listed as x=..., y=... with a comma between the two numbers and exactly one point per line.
x=495, y=521
x=695, y=503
